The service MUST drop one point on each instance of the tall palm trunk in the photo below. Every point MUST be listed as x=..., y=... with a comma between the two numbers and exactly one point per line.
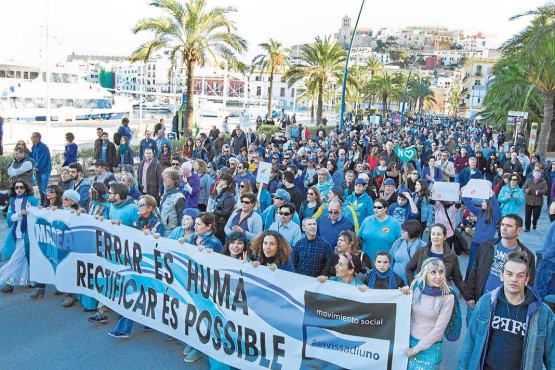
x=319, y=110
x=189, y=116
x=548, y=98
x=270, y=94
x=384, y=102
x=312, y=111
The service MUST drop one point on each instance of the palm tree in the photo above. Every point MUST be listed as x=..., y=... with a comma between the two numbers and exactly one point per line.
x=194, y=36
x=273, y=60
x=534, y=49
x=454, y=102
x=308, y=95
x=387, y=85
x=421, y=93
x=321, y=61
x=510, y=91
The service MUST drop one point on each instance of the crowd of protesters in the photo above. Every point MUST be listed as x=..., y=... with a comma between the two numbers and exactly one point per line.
x=339, y=206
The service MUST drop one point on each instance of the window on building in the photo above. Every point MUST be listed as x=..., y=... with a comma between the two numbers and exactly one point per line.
x=293, y=92
x=258, y=78
x=282, y=92
x=258, y=91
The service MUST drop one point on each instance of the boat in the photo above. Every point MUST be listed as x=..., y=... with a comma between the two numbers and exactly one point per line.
x=23, y=92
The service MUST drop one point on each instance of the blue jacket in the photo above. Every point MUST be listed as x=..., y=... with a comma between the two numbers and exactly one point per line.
x=41, y=154
x=70, y=154
x=126, y=212
x=545, y=272
x=510, y=205
x=484, y=231
x=465, y=176
x=539, y=342
x=83, y=188
x=438, y=176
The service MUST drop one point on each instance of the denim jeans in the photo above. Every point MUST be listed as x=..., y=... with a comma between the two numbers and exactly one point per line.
x=43, y=178
x=124, y=325
x=472, y=257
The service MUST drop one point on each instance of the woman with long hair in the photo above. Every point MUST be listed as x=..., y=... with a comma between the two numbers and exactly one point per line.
x=237, y=246
x=347, y=242
x=438, y=247
x=311, y=204
x=434, y=309
x=487, y=220
x=271, y=249
x=379, y=172
x=224, y=202
x=16, y=246
x=165, y=156
x=53, y=197
x=335, y=173
x=23, y=145
x=430, y=173
x=172, y=202
x=125, y=153
x=205, y=181
x=199, y=151
x=373, y=159
x=421, y=198
x=187, y=149
x=204, y=238
x=405, y=247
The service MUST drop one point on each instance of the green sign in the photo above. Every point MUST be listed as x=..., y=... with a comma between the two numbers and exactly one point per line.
x=405, y=154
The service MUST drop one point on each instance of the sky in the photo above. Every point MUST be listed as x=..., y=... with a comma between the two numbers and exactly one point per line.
x=103, y=27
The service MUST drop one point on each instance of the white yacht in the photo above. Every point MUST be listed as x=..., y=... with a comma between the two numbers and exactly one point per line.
x=24, y=91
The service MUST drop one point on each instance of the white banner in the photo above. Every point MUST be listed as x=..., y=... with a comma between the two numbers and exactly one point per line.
x=244, y=316
x=448, y=191
x=477, y=188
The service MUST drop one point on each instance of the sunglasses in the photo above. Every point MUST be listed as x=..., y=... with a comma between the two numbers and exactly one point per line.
x=514, y=179
x=19, y=187
x=141, y=205
x=333, y=212
x=175, y=164
x=285, y=214
x=378, y=207
x=246, y=202
x=50, y=190
x=310, y=193
x=241, y=186
x=278, y=198
x=65, y=198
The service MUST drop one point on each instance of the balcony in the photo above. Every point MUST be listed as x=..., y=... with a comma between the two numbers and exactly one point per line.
x=478, y=74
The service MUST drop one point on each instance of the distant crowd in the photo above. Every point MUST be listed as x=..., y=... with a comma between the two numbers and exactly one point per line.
x=345, y=205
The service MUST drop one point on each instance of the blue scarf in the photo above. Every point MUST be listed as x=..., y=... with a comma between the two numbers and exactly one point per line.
x=375, y=274
x=24, y=219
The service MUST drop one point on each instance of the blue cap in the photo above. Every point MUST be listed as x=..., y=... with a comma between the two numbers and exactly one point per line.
x=280, y=193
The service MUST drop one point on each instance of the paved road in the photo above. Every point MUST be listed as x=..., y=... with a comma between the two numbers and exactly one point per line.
x=44, y=334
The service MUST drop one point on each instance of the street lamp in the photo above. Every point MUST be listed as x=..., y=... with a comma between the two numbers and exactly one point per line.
x=342, y=110
x=405, y=92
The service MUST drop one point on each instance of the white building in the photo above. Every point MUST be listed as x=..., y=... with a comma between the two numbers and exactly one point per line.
x=363, y=36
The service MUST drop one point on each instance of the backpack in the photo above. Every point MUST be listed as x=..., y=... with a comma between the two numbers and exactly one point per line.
x=117, y=137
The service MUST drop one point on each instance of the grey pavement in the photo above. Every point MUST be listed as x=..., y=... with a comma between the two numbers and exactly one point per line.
x=43, y=334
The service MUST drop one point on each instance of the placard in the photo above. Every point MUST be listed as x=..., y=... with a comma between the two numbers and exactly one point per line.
x=447, y=191
x=478, y=189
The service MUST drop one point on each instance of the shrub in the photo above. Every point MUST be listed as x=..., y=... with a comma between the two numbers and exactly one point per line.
x=5, y=162
x=269, y=130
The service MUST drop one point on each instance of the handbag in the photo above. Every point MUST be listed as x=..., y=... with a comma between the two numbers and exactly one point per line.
x=459, y=242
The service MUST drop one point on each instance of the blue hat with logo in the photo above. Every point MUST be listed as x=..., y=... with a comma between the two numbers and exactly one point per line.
x=280, y=193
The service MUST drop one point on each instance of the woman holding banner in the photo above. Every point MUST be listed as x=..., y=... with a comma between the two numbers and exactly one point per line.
x=16, y=247
x=346, y=271
x=271, y=249
x=434, y=313
x=150, y=225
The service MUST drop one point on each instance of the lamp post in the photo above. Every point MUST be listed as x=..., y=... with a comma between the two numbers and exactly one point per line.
x=342, y=110
x=405, y=92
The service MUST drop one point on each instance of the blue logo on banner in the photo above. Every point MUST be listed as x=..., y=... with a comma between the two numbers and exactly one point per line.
x=54, y=240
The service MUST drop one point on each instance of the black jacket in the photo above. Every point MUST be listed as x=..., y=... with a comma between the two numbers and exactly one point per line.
x=482, y=266
x=111, y=154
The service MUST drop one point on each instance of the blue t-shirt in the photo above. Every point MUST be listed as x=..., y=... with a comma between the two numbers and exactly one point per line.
x=499, y=257
x=377, y=236
x=104, y=150
x=437, y=255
